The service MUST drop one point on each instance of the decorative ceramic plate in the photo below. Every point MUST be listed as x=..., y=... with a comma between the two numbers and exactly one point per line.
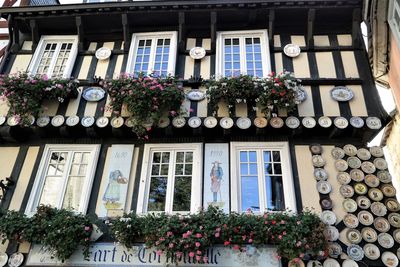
x=16, y=259
x=337, y=153
x=331, y=263
x=309, y=122
x=381, y=224
x=328, y=217
x=388, y=190
x=276, y=122
x=376, y=151
x=296, y=263
x=93, y=94
x=292, y=122
x=226, y=123
x=291, y=50
x=324, y=187
x=349, y=205
x=102, y=122
x=392, y=204
x=117, y=122
x=355, y=252
x=57, y=120
x=363, y=154
x=325, y=122
x=87, y=121
x=103, y=53
x=360, y=188
x=357, y=175
x=314, y=264
x=378, y=209
x=194, y=122
x=349, y=263
x=72, y=121
x=354, y=236
x=42, y=121
x=316, y=149
x=300, y=94
x=380, y=164
x=350, y=150
x=130, y=122
x=243, y=123
x=346, y=190
x=368, y=167
x=369, y=234
x=343, y=178
x=3, y=259
x=197, y=52
x=318, y=161
x=178, y=122
x=342, y=93
x=357, y=122
x=350, y=220
x=334, y=250
x=331, y=233
x=341, y=122
x=385, y=240
x=373, y=123
x=371, y=251
x=210, y=122
x=326, y=203
x=396, y=235
x=363, y=202
x=371, y=180
x=394, y=220
x=163, y=122
x=389, y=259
x=260, y=122
x=365, y=218
x=341, y=165
x=354, y=162
x=375, y=194
x=384, y=176
x=320, y=174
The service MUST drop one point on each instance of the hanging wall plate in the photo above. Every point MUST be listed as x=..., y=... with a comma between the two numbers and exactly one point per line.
x=93, y=94
x=210, y=122
x=291, y=50
x=342, y=93
x=103, y=53
x=197, y=52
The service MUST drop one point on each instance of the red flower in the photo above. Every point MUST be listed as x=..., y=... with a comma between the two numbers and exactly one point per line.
x=226, y=243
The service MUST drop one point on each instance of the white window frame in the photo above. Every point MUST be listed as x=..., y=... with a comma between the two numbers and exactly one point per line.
x=37, y=188
x=265, y=55
x=197, y=177
x=287, y=177
x=394, y=8
x=33, y=66
x=173, y=36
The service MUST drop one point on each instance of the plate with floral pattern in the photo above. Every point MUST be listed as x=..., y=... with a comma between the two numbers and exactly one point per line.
x=334, y=250
x=337, y=153
x=381, y=224
x=396, y=235
x=363, y=202
x=376, y=151
x=324, y=187
x=341, y=165
x=346, y=190
x=355, y=252
x=328, y=217
x=384, y=176
x=314, y=264
x=350, y=150
x=365, y=218
x=371, y=180
x=349, y=263
x=394, y=219
x=343, y=178
x=371, y=251
x=354, y=162
x=389, y=259
x=368, y=167
x=354, y=236
x=380, y=164
x=350, y=220
x=331, y=263
x=357, y=175
x=318, y=161
x=363, y=154
x=375, y=194
x=385, y=240
x=388, y=190
x=360, y=188
x=331, y=233
x=378, y=209
x=349, y=205
x=392, y=204
x=320, y=174
x=369, y=234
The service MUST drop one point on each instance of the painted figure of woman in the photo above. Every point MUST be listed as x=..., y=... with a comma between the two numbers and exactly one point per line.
x=112, y=193
x=216, y=178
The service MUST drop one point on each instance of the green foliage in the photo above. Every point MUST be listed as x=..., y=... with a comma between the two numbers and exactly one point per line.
x=294, y=235
x=146, y=97
x=275, y=91
x=60, y=230
x=25, y=93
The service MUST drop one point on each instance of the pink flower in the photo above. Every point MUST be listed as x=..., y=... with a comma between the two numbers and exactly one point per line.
x=226, y=243
x=191, y=254
x=273, y=222
x=197, y=244
x=171, y=245
x=280, y=237
x=169, y=233
x=87, y=228
x=284, y=233
x=198, y=252
x=216, y=234
x=250, y=240
x=179, y=254
x=301, y=255
x=283, y=222
x=205, y=259
x=172, y=112
x=198, y=235
x=244, y=237
x=161, y=238
x=159, y=252
x=298, y=222
x=218, y=229
x=296, y=260
x=298, y=244
x=236, y=247
x=198, y=258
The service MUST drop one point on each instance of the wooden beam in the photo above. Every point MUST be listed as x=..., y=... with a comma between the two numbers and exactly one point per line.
x=252, y=16
x=80, y=32
x=16, y=41
x=356, y=27
x=271, y=26
x=126, y=33
x=34, y=33
x=213, y=28
x=310, y=28
x=181, y=32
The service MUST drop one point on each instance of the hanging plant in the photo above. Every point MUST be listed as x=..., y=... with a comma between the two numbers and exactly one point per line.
x=276, y=91
x=146, y=97
x=25, y=93
x=294, y=235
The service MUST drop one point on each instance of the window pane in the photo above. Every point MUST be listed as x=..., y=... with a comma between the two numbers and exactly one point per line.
x=143, y=56
x=157, y=194
x=231, y=57
x=253, y=58
x=62, y=59
x=249, y=193
x=51, y=191
x=73, y=193
x=162, y=56
x=274, y=189
x=182, y=193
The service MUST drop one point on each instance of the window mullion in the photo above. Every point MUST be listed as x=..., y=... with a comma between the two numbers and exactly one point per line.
x=54, y=60
x=261, y=180
x=242, y=45
x=67, y=170
x=152, y=57
x=170, y=183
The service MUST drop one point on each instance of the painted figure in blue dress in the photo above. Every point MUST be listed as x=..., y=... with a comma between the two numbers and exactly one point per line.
x=216, y=178
x=112, y=193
